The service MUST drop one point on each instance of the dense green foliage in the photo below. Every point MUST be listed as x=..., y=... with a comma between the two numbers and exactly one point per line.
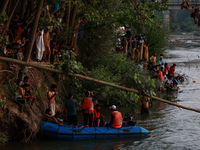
x=114, y=68
x=96, y=50
x=105, y=17
x=4, y=40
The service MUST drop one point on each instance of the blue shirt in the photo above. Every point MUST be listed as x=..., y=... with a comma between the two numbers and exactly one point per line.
x=71, y=107
x=161, y=63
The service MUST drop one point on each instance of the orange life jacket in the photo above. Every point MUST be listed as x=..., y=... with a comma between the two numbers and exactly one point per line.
x=87, y=105
x=96, y=114
x=117, y=123
x=160, y=74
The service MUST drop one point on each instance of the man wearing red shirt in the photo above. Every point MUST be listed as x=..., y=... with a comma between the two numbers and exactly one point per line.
x=172, y=69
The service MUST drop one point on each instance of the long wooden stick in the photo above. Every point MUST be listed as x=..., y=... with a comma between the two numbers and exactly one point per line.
x=10, y=17
x=91, y=79
x=4, y=6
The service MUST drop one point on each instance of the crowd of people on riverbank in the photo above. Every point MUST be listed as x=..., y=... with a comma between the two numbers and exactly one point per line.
x=136, y=48
x=133, y=47
x=164, y=73
x=46, y=46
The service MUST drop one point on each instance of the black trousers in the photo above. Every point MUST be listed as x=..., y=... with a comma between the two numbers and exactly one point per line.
x=88, y=116
x=72, y=120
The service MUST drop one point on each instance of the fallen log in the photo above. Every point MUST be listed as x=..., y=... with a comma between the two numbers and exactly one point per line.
x=91, y=79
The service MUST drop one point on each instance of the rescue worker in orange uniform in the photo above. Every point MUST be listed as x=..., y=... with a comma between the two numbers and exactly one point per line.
x=116, y=118
x=98, y=118
x=88, y=109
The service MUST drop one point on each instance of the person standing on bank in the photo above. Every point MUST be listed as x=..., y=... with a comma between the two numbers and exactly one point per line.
x=146, y=51
x=161, y=62
x=116, y=118
x=153, y=60
x=88, y=109
x=51, y=94
x=70, y=110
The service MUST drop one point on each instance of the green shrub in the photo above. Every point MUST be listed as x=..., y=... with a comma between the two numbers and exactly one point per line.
x=3, y=138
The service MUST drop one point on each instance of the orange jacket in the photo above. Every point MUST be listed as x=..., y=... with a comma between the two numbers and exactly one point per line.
x=160, y=74
x=96, y=114
x=117, y=123
x=87, y=105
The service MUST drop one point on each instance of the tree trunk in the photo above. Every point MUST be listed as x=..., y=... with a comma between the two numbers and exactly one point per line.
x=72, y=21
x=68, y=9
x=33, y=31
x=23, y=8
x=9, y=7
x=91, y=79
x=4, y=6
x=31, y=6
x=73, y=17
x=74, y=41
x=32, y=35
x=10, y=17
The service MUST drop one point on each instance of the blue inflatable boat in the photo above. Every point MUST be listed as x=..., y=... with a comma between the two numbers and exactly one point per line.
x=66, y=132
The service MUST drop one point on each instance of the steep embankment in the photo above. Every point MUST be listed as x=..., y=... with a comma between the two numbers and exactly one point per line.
x=21, y=123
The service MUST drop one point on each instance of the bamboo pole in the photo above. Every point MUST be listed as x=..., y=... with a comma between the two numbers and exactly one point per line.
x=32, y=36
x=4, y=6
x=34, y=30
x=91, y=79
x=10, y=17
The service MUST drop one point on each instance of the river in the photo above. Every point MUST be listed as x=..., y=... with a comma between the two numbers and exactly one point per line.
x=169, y=126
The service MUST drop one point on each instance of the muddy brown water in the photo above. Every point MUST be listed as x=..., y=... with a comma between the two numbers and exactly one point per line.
x=169, y=126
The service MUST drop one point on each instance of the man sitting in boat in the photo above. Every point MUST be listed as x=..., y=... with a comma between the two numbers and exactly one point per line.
x=88, y=109
x=70, y=110
x=116, y=118
x=54, y=119
x=57, y=118
x=98, y=118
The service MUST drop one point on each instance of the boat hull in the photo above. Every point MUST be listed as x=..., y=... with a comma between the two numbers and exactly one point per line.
x=65, y=132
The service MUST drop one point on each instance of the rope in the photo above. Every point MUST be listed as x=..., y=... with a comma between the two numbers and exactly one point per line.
x=142, y=13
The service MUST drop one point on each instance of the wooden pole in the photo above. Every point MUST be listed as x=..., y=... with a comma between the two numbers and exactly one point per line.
x=10, y=17
x=33, y=32
x=72, y=22
x=4, y=6
x=91, y=79
x=32, y=36
x=23, y=8
x=67, y=19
